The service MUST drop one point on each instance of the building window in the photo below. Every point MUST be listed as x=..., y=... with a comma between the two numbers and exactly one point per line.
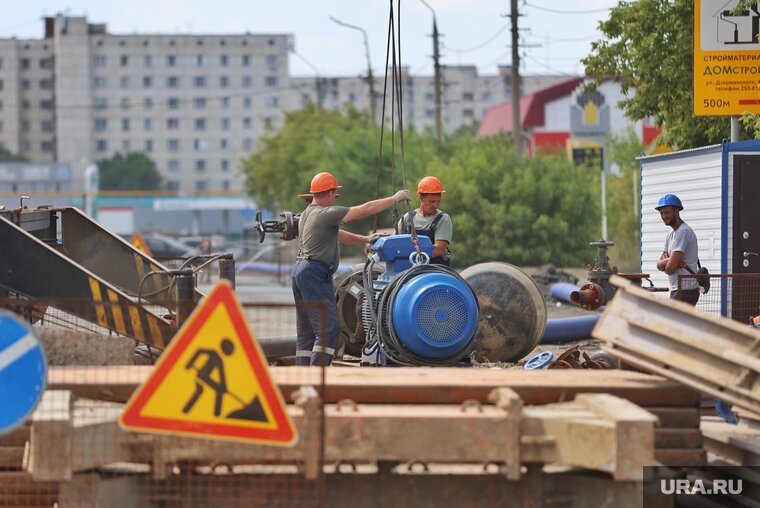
x=172, y=123
x=429, y=96
x=271, y=81
x=26, y=104
x=124, y=82
x=272, y=61
x=46, y=84
x=225, y=124
x=101, y=124
x=44, y=104
x=273, y=102
x=24, y=63
x=99, y=61
x=246, y=60
x=224, y=60
x=200, y=145
x=126, y=103
x=101, y=145
x=247, y=102
x=99, y=82
x=45, y=63
x=101, y=103
x=172, y=103
x=224, y=81
x=148, y=145
x=468, y=96
x=26, y=84
x=199, y=81
x=247, y=123
x=201, y=185
x=125, y=146
x=200, y=165
x=199, y=102
x=223, y=143
x=125, y=124
x=225, y=185
x=225, y=165
x=225, y=100
x=26, y=126
x=173, y=165
x=124, y=60
x=200, y=60
x=46, y=126
x=429, y=113
x=147, y=103
x=200, y=124
x=172, y=81
x=172, y=185
x=147, y=124
x=171, y=61
x=1, y=84
x=248, y=144
x=147, y=82
x=47, y=146
x=172, y=145
x=147, y=61
x=247, y=81
x=468, y=113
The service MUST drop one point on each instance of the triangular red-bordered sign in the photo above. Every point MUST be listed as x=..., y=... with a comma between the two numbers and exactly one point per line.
x=212, y=381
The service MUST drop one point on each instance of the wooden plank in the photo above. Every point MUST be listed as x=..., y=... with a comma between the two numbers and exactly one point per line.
x=18, y=437
x=18, y=489
x=709, y=353
x=694, y=457
x=676, y=417
x=677, y=438
x=11, y=457
x=410, y=385
x=52, y=424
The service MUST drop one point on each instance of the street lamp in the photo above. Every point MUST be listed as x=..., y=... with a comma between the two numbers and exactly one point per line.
x=370, y=78
x=437, y=76
x=317, y=79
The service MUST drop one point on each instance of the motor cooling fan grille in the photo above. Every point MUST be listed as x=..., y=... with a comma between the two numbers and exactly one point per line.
x=442, y=315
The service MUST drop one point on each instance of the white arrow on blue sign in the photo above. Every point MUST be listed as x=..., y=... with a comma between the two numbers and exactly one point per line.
x=23, y=371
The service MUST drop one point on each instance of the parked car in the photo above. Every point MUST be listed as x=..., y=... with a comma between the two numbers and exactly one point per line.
x=167, y=247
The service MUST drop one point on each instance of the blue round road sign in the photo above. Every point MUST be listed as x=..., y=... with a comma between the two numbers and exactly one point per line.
x=23, y=371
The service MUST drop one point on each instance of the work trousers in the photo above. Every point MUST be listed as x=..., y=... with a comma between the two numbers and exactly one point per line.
x=316, y=313
x=690, y=296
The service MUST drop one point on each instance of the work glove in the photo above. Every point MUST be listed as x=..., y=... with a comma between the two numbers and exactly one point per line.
x=403, y=195
x=372, y=237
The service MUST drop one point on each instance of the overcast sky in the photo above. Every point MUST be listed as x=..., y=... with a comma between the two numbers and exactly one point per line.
x=555, y=35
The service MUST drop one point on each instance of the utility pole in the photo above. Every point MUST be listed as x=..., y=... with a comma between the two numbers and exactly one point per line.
x=515, y=78
x=438, y=80
x=370, y=78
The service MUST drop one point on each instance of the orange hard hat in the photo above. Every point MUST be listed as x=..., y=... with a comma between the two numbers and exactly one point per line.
x=322, y=182
x=430, y=185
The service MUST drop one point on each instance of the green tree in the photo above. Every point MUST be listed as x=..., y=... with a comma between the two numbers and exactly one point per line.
x=134, y=172
x=648, y=46
x=623, y=222
x=8, y=156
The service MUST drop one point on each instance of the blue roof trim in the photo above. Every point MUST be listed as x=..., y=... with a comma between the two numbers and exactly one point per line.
x=725, y=147
x=750, y=145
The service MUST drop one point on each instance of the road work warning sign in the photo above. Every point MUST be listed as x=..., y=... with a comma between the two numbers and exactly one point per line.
x=212, y=381
x=726, y=58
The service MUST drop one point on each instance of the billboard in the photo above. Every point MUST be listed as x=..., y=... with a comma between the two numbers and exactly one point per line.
x=726, y=58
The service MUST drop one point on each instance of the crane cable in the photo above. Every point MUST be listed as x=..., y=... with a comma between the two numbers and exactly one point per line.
x=393, y=49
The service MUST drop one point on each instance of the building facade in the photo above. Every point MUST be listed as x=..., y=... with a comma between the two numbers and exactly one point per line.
x=194, y=104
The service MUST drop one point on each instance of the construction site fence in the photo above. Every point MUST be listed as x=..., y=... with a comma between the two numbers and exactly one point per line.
x=732, y=295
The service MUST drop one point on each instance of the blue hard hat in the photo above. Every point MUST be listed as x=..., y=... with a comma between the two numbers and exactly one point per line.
x=669, y=200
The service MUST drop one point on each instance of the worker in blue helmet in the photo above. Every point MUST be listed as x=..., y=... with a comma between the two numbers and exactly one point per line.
x=680, y=255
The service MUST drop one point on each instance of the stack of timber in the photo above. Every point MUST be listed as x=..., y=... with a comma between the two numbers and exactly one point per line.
x=678, y=440
x=16, y=486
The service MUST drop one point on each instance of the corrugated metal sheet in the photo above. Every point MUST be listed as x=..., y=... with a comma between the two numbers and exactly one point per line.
x=696, y=179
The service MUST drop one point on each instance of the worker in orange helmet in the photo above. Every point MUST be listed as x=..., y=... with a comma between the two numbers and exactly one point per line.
x=318, y=257
x=429, y=221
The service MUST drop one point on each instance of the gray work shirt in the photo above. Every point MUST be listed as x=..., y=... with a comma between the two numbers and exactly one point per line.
x=683, y=240
x=318, y=234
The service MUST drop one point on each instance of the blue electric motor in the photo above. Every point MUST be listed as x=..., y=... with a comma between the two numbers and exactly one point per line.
x=416, y=313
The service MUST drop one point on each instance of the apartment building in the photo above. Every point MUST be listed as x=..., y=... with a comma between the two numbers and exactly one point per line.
x=195, y=104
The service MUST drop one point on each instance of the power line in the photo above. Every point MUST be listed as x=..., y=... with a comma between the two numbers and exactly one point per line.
x=482, y=44
x=556, y=11
x=569, y=39
x=549, y=67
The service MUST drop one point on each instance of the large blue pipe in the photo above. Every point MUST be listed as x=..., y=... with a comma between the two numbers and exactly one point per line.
x=561, y=330
x=563, y=291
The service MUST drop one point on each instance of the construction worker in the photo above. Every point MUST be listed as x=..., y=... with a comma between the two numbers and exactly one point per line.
x=681, y=253
x=318, y=258
x=429, y=221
